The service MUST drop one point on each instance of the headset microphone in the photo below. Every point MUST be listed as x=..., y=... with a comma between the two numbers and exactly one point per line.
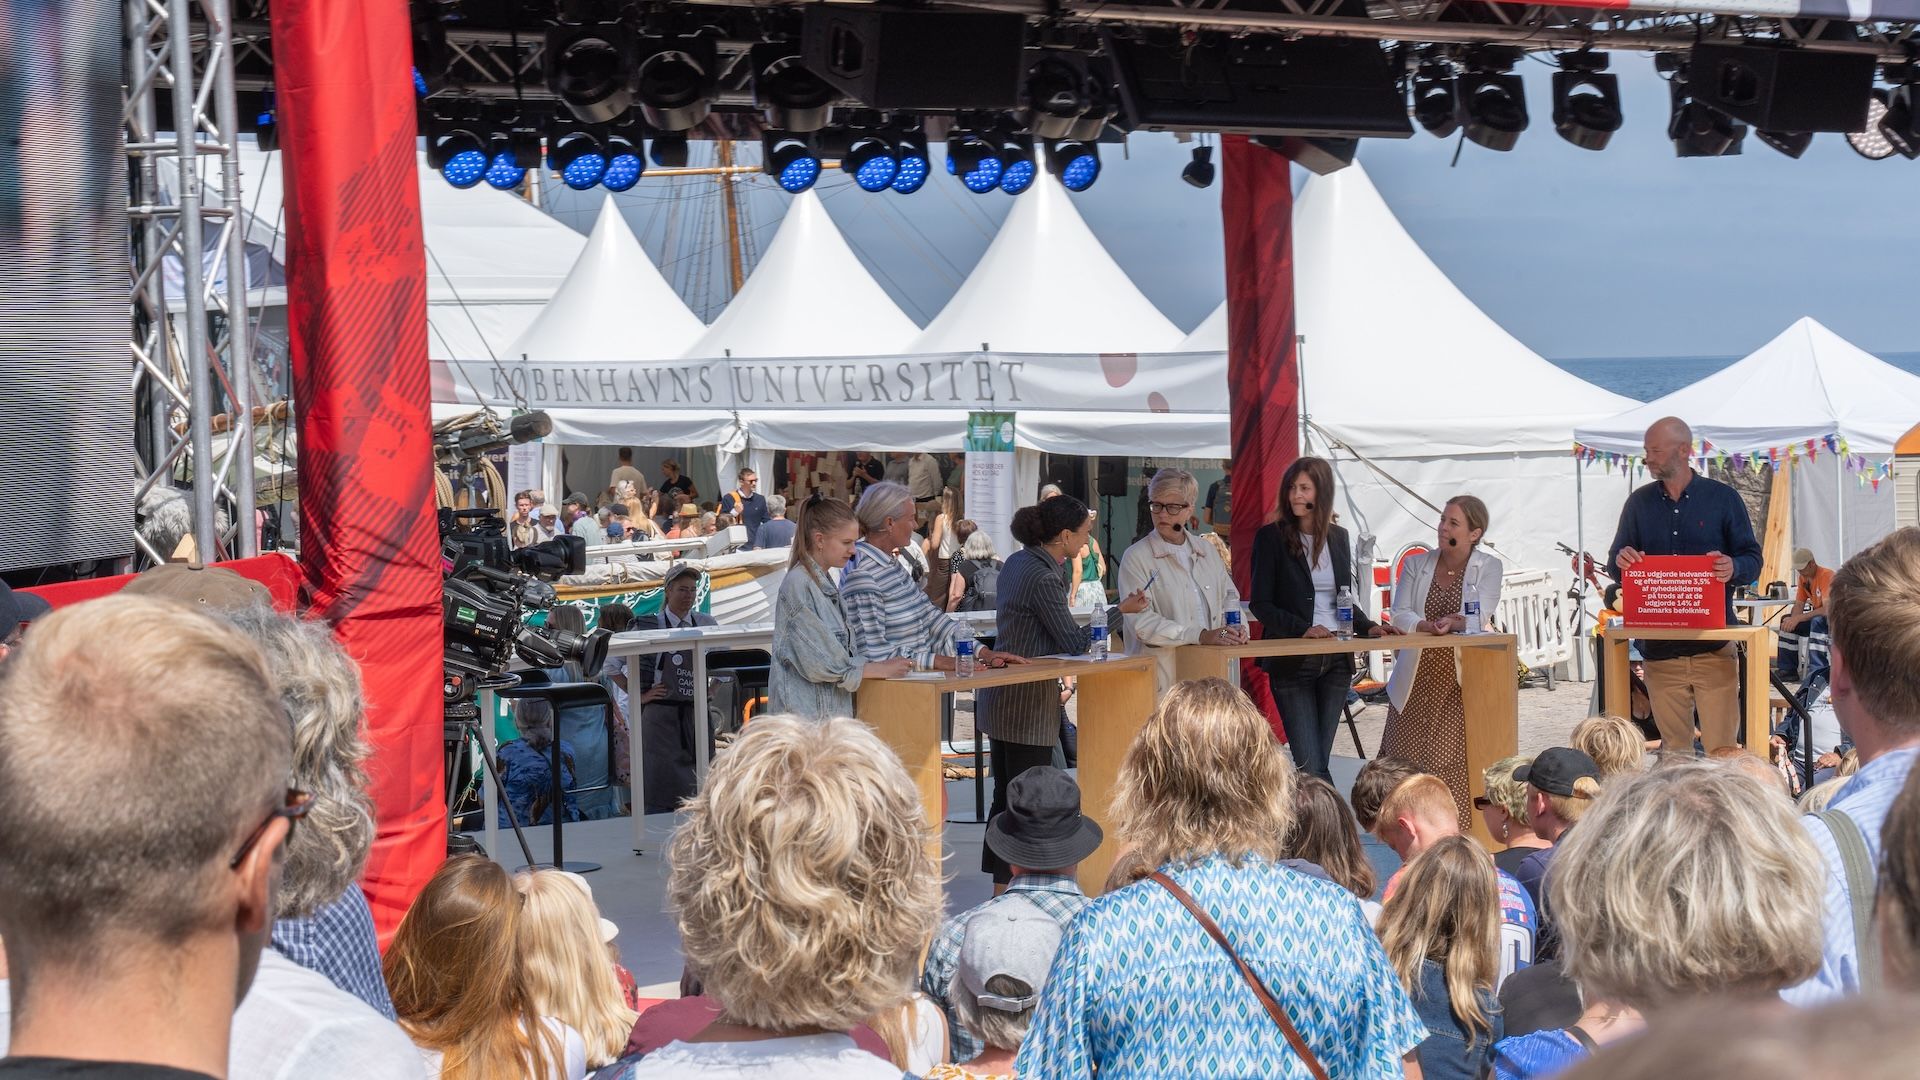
x=1453, y=541
x=1309, y=506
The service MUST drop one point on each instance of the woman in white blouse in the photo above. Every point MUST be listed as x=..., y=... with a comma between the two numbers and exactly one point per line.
x=1191, y=590
x=1426, y=720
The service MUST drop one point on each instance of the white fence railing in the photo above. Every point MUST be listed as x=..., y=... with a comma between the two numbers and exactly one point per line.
x=1536, y=610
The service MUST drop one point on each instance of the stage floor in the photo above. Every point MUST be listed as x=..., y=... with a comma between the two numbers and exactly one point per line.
x=631, y=889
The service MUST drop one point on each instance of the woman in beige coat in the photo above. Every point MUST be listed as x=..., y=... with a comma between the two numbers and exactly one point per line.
x=1191, y=590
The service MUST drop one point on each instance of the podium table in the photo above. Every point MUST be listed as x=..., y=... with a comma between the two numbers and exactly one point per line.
x=1115, y=698
x=1617, y=694
x=1489, y=684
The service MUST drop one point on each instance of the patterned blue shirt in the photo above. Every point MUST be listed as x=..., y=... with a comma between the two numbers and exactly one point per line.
x=1138, y=989
x=338, y=941
x=1866, y=799
x=1058, y=896
x=1538, y=1053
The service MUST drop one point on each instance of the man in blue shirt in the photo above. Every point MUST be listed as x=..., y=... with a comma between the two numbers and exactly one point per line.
x=746, y=504
x=1684, y=513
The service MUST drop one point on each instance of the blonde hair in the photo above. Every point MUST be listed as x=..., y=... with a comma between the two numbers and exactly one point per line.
x=1423, y=797
x=818, y=515
x=1176, y=478
x=1614, y=744
x=803, y=879
x=1692, y=879
x=1571, y=808
x=1475, y=511
x=1204, y=777
x=1816, y=798
x=1447, y=910
x=569, y=973
x=1324, y=834
x=1503, y=790
x=1871, y=605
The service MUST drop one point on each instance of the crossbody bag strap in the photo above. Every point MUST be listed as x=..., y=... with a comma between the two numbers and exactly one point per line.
x=1857, y=865
x=1267, y=1000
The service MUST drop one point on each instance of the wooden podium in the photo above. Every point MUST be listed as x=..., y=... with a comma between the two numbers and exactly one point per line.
x=1489, y=684
x=1115, y=698
x=1616, y=695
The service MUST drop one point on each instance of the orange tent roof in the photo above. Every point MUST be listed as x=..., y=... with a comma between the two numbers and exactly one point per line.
x=1909, y=443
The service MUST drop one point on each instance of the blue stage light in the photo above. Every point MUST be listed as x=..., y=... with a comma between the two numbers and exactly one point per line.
x=464, y=168
x=1018, y=176
x=789, y=160
x=912, y=175
x=503, y=172
x=799, y=174
x=1076, y=163
x=984, y=177
x=624, y=165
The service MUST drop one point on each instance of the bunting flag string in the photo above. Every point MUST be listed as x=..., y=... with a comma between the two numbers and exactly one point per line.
x=1705, y=455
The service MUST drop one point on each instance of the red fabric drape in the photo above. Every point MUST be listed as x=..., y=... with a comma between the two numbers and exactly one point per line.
x=1263, y=383
x=356, y=285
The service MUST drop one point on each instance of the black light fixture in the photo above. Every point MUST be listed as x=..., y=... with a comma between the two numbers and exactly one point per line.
x=1075, y=162
x=1199, y=171
x=675, y=82
x=457, y=149
x=791, y=160
x=578, y=156
x=791, y=97
x=1586, y=101
x=870, y=160
x=590, y=68
x=1436, y=98
x=1696, y=129
x=1790, y=143
x=974, y=159
x=1493, y=98
x=1054, y=97
x=669, y=151
x=1901, y=124
x=1103, y=102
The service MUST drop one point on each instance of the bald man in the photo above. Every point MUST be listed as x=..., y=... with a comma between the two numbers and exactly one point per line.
x=1684, y=513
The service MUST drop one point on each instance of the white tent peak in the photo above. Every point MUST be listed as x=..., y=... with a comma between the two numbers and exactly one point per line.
x=613, y=306
x=1047, y=285
x=809, y=296
x=1210, y=335
x=1396, y=356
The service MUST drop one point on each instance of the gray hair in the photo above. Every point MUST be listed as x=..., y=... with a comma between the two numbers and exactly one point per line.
x=776, y=505
x=1048, y=491
x=320, y=691
x=883, y=500
x=1181, y=478
x=979, y=546
x=998, y=1029
x=535, y=715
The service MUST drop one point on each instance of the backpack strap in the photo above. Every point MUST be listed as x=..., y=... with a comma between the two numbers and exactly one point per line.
x=1585, y=1040
x=1857, y=865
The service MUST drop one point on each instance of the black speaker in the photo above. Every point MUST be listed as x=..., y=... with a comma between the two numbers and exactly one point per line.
x=1112, y=478
x=1783, y=89
x=1314, y=87
x=888, y=58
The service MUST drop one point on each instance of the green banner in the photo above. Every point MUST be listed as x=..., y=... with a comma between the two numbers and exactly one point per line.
x=989, y=431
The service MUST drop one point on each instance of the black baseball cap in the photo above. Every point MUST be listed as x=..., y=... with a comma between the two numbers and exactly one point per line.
x=1555, y=769
x=17, y=608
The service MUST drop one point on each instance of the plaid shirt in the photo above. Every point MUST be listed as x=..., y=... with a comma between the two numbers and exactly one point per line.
x=889, y=615
x=1054, y=894
x=338, y=941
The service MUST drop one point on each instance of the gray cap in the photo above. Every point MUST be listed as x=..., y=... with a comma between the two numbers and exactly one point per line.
x=1012, y=937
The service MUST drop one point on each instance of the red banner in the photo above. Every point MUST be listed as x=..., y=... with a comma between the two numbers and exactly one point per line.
x=1263, y=383
x=356, y=288
x=278, y=573
x=1673, y=591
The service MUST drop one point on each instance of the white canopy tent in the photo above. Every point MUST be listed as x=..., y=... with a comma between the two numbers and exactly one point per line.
x=1806, y=386
x=1210, y=335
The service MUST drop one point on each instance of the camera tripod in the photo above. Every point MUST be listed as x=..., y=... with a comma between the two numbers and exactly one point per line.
x=461, y=728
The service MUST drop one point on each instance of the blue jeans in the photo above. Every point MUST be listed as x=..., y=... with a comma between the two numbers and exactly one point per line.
x=1812, y=636
x=1310, y=697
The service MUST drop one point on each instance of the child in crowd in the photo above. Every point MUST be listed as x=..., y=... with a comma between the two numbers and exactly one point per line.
x=569, y=975
x=1441, y=930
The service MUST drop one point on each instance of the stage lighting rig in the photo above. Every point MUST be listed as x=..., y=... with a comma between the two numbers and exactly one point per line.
x=590, y=68
x=669, y=151
x=1056, y=95
x=1436, y=97
x=974, y=160
x=1790, y=143
x=1586, y=101
x=1495, y=99
x=791, y=97
x=910, y=149
x=1901, y=124
x=1696, y=128
x=870, y=161
x=457, y=150
x=624, y=164
x=789, y=159
x=1870, y=141
x=1199, y=171
x=1075, y=162
x=579, y=158
x=676, y=81
x=503, y=171
x=1018, y=168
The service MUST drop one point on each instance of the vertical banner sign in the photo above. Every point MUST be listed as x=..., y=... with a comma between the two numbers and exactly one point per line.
x=356, y=313
x=991, y=489
x=525, y=463
x=1263, y=383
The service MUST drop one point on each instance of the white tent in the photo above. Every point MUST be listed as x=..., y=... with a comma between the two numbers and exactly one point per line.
x=1047, y=285
x=1210, y=335
x=809, y=296
x=1804, y=386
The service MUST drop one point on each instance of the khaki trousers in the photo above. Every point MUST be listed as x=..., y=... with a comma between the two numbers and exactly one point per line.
x=1709, y=683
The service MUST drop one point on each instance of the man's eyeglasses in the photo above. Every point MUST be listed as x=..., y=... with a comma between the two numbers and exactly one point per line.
x=297, y=805
x=1168, y=508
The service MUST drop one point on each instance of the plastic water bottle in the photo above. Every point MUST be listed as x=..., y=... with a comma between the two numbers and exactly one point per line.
x=1097, y=633
x=1470, y=600
x=1343, y=614
x=964, y=647
x=1234, y=620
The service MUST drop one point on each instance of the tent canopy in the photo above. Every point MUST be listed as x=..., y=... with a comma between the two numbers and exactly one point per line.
x=808, y=296
x=1807, y=383
x=1210, y=335
x=1047, y=285
x=613, y=306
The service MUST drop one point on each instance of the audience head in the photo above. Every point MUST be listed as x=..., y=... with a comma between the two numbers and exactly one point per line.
x=626, y=455
x=1561, y=785
x=886, y=515
x=1897, y=905
x=823, y=536
x=616, y=617
x=456, y=970
x=1004, y=958
x=801, y=878
x=1876, y=642
x=1062, y=522
x=1375, y=781
x=1042, y=827
x=963, y=530
x=103, y=872
x=776, y=506
x=567, y=972
x=1447, y=910
x=1204, y=777
x=1815, y=799
x=1739, y=757
x=979, y=547
x=1504, y=806
x=1690, y=880
x=320, y=692
x=1854, y=1038
x=1048, y=491
x=17, y=609
x=1613, y=742
x=533, y=717
x=1416, y=814
x=1324, y=834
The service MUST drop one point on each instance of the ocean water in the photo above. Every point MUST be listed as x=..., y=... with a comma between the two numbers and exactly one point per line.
x=1644, y=378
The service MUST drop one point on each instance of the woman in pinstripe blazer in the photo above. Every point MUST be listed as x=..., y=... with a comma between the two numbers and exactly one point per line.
x=1034, y=620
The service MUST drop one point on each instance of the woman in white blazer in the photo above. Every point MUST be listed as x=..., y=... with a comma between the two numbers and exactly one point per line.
x=1426, y=721
x=1191, y=590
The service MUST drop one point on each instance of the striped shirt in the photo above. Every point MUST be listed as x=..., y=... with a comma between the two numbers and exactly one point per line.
x=1057, y=895
x=1033, y=620
x=889, y=615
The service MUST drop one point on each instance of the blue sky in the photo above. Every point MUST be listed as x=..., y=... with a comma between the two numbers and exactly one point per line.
x=1626, y=252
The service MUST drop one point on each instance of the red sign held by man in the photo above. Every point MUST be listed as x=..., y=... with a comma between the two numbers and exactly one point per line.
x=1673, y=591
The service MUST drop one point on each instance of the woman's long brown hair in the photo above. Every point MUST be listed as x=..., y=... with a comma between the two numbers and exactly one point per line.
x=454, y=972
x=1320, y=517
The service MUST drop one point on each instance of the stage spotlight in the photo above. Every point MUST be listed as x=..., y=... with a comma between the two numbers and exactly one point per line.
x=578, y=158
x=789, y=160
x=870, y=162
x=458, y=153
x=590, y=69
x=1586, y=102
x=1702, y=131
x=1076, y=163
x=504, y=171
x=911, y=151
x=1790, y=143
x=675, y=81
x=624, y=165
x=1055, y=95
x=1869, y=142
x=790, y=96
x=1018, y=168
x=669, y=151
x=975, y=161
x=1900, y=126
x=1199, y=171
x=1436, y=101
x=1496, y=108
